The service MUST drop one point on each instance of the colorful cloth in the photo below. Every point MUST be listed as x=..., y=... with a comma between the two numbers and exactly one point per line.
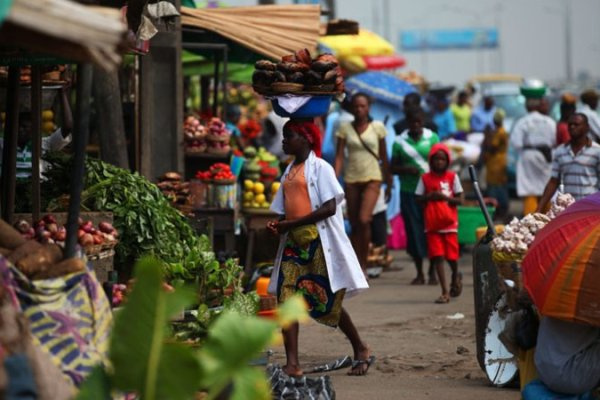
x=445, y=123
x=303, y=270
x=412, y=212
x=69, y=317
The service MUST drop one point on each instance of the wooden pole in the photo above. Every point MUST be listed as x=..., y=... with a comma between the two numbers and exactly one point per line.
x=36, y=139
x=80, y=139
x=9, y=155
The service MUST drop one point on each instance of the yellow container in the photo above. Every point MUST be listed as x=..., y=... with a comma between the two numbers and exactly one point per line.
x=527, y=370
x=480, y=232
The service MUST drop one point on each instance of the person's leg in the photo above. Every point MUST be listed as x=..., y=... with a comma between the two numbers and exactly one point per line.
x=353, y=199
x=360, y=348
x=530, y=204
x=435, y=250
x=365, y=216
x=290, y=341
x=411, y=226
x=451, y=254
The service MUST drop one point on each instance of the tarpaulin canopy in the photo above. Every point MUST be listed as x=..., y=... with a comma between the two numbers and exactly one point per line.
x=380, y=86
x=194, y=64
x=365, y=51
x=71, y=30
x=270, y=31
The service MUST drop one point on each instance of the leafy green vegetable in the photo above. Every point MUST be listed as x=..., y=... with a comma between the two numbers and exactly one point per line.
x=142, y=361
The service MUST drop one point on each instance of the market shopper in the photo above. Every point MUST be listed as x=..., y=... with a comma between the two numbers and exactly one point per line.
x=461, y=111
x=589, y=98
x=483, y=116
x=315, y=256
x=409, y=155
x=533, y=138
x=567, y=108
x=443, y=119
x=412, y=100
x=361, y=144
x=56, y=141
x=575, y=165
x=494, y=153
x=440, y=191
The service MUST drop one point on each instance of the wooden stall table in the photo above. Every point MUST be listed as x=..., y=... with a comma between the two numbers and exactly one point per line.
x=221, y=222
x=254, y=221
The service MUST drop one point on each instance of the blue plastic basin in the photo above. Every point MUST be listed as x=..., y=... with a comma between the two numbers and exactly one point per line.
x=315, y=107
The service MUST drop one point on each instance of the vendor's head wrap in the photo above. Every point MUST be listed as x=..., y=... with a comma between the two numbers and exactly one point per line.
x=309, y=131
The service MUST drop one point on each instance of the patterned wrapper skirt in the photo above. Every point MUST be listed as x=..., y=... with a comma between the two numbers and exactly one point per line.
x=303, y=270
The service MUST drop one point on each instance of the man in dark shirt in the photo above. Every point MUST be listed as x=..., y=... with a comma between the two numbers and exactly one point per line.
x=412, y=100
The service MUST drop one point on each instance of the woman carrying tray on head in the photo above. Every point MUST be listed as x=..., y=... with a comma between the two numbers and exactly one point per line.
x=363, y=140
x=315, y=257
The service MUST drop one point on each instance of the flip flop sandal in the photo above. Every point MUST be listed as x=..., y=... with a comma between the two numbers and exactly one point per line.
x=343, y=362
x=357, y=363
x=418, y=281
x=442, y=300
x=456, y=287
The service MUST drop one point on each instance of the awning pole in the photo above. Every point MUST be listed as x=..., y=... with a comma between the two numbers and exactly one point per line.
x=216, y=86
x=9, y=155
x=36, y=139
x=80, y=139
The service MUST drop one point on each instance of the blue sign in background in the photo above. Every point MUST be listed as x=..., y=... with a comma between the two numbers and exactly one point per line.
x=443, y=39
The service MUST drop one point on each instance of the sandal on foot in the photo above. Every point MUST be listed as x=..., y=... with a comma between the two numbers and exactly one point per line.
x=443, y=299
x=456, y=286
x=359, y=363
x=419, y=280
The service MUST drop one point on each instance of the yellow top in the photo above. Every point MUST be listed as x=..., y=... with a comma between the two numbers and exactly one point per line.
x=462, y=117
x=495, y=163
x=361, y=166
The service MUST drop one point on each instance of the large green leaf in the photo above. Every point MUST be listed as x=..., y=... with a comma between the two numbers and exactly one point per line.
x=233, y=341
x=96, y=386
x=250, y=383
x=142, y=362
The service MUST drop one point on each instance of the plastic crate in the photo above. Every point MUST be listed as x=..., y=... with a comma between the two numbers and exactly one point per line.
x=469, y=219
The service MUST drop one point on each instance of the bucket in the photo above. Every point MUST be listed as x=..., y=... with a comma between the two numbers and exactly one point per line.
x=224, y=194
x=198, y=194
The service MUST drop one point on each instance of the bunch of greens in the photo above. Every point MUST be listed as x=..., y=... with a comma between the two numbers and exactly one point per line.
x=146, y=222
x=146, y=362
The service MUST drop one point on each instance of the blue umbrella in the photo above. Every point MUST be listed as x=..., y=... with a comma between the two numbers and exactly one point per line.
x=380, y=86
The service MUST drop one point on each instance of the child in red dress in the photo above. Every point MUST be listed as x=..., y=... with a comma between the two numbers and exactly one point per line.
x=440, y=191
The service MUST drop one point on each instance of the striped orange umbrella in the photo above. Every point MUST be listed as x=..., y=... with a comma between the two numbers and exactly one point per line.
x=561, y=271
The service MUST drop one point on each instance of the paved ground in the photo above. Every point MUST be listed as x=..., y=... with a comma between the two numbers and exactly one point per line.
x=421, y=353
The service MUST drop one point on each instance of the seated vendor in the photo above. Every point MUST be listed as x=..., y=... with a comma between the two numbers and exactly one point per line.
x=567, y=356
x=56, y=141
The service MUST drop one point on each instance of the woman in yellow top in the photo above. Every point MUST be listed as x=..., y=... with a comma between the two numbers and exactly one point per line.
x=362, y=144
x=461, y=111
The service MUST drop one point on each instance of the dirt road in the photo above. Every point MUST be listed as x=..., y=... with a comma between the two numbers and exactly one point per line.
x=421, y=353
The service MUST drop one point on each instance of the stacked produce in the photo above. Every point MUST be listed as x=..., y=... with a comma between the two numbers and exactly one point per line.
x=297, y=72
x=260, y=165
x=512, y=244
x=48, y=125
x=256, y=195
x=195, y=135
x=217, y=173
x=172, y=186
x=49, y=231
x=218, y=137
x=35, y=260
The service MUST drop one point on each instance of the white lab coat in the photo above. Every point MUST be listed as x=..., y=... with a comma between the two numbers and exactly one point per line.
x=533, y=171
x=342, y=265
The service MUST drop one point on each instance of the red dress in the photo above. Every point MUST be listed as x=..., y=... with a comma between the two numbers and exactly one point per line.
x=442, y=242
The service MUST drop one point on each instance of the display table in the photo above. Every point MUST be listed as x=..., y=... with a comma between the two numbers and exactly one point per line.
x=254, y=221
x=201, y=162
x=216, y=222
